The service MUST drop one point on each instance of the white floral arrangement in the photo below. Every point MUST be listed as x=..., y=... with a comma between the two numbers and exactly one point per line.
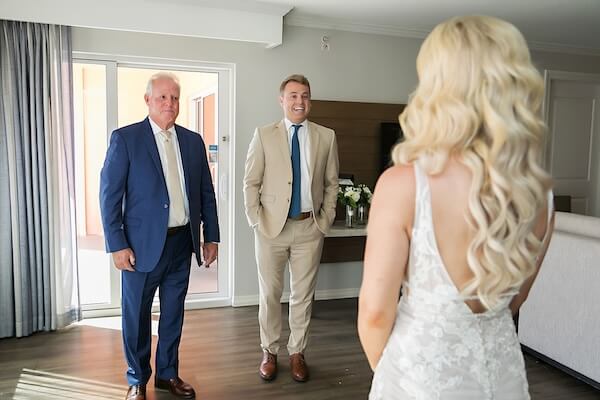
x=355, y=196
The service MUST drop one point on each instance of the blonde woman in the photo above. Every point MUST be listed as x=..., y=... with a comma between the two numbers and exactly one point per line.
x=461, y=222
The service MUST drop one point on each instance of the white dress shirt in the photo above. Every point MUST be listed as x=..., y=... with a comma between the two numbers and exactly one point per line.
x=160, y=144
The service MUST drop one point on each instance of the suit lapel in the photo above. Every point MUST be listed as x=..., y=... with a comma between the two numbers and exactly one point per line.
x=184, y=150
x=283, y=142
x=152, y=148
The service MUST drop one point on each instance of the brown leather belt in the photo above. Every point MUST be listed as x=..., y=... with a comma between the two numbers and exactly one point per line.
x=301, y=216
x=176, y=229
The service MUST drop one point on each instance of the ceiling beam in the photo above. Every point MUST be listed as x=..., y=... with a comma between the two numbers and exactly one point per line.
x=257, y=22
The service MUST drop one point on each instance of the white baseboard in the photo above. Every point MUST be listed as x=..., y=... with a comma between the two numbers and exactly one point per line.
x=327, y=294
x=242, y=301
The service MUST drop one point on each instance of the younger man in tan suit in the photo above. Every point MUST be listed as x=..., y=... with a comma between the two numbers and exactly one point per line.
x=290, y=191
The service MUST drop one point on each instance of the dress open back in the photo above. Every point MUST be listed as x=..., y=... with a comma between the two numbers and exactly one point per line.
x=439, y=348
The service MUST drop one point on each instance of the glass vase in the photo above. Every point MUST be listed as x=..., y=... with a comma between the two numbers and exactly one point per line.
x=361, y=218
x=350, y=216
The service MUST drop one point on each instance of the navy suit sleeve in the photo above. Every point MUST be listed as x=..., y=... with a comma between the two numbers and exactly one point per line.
x=210, y=221
x=113, y=181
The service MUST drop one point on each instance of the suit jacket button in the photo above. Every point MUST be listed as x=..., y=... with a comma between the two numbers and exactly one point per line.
x=166, y=206
x=289, y=183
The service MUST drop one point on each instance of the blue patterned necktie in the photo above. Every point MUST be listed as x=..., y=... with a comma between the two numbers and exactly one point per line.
x=295, y=205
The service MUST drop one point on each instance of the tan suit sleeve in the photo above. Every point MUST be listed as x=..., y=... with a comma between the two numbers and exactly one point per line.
x=331, y=182
x=253, y=178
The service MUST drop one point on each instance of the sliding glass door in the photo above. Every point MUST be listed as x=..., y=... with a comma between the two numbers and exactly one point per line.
x=109, y=94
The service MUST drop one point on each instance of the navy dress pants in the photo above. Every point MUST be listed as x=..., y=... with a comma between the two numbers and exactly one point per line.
x=171, y=277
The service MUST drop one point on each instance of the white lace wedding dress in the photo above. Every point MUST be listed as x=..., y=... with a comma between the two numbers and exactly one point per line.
x=439, y=348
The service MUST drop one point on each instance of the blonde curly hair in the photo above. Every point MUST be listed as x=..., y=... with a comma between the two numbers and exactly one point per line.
x=479, y=99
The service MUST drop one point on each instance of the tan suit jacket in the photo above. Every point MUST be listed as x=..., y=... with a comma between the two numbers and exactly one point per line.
x=268, y=177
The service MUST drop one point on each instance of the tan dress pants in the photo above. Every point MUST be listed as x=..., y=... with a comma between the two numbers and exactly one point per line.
x=299, y=244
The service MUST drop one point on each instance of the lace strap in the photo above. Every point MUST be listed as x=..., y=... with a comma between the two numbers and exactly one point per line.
x=421, y=190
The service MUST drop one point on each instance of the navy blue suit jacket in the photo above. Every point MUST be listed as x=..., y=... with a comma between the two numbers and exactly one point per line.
x=134, y=201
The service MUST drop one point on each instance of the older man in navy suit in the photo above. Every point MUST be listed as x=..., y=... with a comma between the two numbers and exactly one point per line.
x=156, y=193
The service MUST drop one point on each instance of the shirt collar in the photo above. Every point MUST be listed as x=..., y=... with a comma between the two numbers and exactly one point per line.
x=157, y=129
x=289, y=123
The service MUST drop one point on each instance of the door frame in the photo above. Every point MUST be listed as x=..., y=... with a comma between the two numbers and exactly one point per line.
x=224, y=129
x=552, y=75
x=110, y=66
x=556, y=75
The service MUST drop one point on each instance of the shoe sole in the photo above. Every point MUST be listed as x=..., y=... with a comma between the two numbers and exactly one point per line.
x=167, y=389
x=267, y=377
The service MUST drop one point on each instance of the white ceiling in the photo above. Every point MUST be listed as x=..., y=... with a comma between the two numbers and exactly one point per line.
x=563, y=25
x=555, y=25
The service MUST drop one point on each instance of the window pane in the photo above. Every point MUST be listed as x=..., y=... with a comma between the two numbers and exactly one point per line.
x=89, y=95
x=198, y=112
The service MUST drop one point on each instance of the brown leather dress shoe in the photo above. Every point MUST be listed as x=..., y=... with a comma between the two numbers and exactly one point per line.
x=298, y=367
x=268, y=366
x=177, y=387
x=136, y=392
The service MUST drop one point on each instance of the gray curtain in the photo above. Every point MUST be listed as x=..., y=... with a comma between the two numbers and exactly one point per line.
x=38, y=259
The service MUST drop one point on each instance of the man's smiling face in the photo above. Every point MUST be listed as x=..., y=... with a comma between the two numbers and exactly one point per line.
x=295, y=101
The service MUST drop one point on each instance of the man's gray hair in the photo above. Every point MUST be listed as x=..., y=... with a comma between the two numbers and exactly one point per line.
x=161, y=75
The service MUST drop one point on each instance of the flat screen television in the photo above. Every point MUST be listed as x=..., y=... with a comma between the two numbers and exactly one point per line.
x=390, y=134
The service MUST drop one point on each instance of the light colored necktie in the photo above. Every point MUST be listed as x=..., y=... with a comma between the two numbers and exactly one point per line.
x=173, y=180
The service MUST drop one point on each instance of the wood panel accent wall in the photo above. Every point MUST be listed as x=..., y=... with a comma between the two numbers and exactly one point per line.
x=340, y=249
x=356, y=127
